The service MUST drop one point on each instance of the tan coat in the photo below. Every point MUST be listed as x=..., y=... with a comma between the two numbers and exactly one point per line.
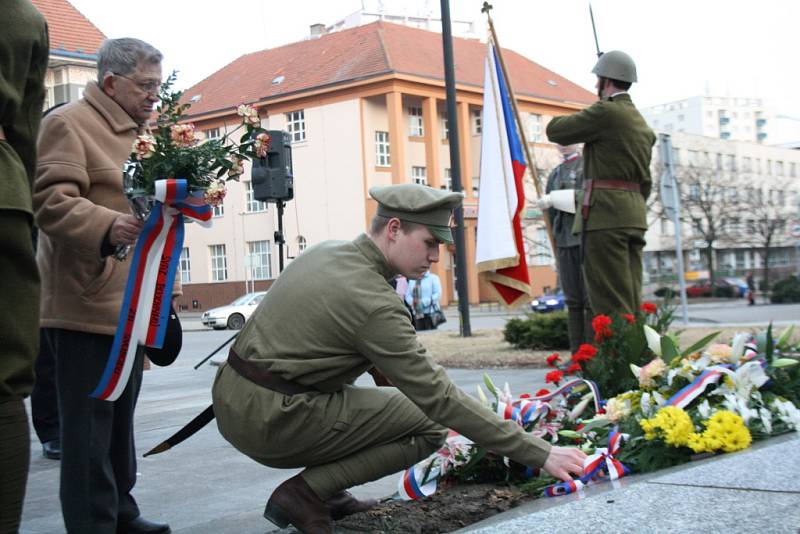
x=77, y=196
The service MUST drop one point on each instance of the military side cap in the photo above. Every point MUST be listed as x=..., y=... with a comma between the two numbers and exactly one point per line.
x=419, y=204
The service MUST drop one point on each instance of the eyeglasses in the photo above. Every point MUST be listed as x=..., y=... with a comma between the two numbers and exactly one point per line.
x=150, y=87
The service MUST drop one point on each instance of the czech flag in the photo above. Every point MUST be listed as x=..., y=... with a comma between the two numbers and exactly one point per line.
x=500, y=252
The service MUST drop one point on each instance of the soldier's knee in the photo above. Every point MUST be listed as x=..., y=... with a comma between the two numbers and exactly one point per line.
x=433, y=439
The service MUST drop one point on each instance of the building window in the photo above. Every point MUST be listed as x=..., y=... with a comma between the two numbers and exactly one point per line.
x=448, y=180
x=301, y=244
x=793, y=170
x=418, y=175
x=260, y=263
x=212, y=133
x=382, y=149
x=534, y=128
x=251, y=205
x=296, y=125
x=219, y=263
x=779, y=168
x=218, y=211
x=445, y=125
x=415, y=122
x=477, y=125
x=541, y=253
x=185, y=266
x=694, y=192
x=747, y=164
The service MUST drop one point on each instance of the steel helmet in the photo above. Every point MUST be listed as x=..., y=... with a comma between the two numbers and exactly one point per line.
x=616, y=65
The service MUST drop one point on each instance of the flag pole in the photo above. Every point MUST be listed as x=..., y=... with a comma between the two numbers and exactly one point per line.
x=531, y=166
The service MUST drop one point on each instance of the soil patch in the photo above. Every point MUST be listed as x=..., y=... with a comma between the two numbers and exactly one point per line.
x=451, y=508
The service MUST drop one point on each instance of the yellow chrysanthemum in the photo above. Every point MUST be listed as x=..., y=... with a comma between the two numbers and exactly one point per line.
x=672, y=424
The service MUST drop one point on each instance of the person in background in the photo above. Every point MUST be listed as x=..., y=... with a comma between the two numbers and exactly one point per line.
x=24, y=48
x=751, y=289
x=83, y=216
x=423, y=297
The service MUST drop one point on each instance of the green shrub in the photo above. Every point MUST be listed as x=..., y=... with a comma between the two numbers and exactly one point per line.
x=727, y=292
x=665, y=292
x=539, y=332
x=786, y=291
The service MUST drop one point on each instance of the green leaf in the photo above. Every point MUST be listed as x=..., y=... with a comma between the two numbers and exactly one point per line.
x=598, y=422
x=784, y=362
x=783, y=341
x=669, y=350
x=489, y=384
x=570, y=434
x=700, y=344
x=770, y=348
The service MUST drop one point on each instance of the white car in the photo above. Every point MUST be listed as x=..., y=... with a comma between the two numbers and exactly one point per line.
x=235, y=314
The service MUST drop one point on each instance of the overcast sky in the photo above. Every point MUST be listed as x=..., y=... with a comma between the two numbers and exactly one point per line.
x=682, y=47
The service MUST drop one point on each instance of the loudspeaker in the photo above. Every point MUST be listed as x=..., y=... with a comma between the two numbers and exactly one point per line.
x=272, y=177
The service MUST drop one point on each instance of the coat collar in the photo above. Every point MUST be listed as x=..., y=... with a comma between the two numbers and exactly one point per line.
x=619, y=97
x=117, y=118
x=371, y=251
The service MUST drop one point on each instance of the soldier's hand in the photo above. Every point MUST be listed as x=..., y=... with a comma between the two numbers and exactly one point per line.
x=544, y=202
x=379, y=378
x=125, y=230
x=564, y=460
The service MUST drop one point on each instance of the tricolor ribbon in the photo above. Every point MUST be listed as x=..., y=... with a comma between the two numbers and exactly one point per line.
x=566, y=388
x=596, y=467
x=148, y=291
x=687, y=394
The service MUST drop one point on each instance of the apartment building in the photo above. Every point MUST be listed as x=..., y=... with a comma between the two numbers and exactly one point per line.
x=364, y=106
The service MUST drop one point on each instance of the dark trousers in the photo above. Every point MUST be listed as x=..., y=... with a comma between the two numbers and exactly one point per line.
x=98, y=458
x=19, y=325
x=44, y=399
x=570, y=271
x=612, y=265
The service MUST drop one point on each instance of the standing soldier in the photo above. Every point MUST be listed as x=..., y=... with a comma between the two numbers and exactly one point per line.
x=617, y=149
x=286, y=396
x=569, y=176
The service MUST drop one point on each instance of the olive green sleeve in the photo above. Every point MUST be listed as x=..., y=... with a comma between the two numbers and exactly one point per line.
x=389, y=341
x=583, y=127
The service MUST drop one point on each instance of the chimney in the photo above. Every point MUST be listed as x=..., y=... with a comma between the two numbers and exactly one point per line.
x=317, y=30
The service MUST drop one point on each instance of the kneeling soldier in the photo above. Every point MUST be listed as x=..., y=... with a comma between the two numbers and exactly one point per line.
x=286, y=396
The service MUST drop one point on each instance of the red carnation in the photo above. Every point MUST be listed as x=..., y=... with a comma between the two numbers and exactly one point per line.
x=600, y=325
x=525, y=396
x=629, y=317
x=542, y=392
x=554, y=377
x=649, y=308
x=585, y=353
x=552, y=359
x=574, y=368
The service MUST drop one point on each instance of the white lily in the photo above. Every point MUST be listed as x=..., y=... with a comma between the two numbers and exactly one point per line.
x=704, y=409
x=636, y=370
x=786, y=412
x=580, y=407
x=738, y=345
x=766, y=419
x=653, y=340
x=482, y=396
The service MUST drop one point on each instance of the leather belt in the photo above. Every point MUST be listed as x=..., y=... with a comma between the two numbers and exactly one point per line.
x=591, y=185
x=266, y=379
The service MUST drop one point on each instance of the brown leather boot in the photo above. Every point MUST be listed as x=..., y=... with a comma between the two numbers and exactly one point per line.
x=295, y=502
x=343, y=504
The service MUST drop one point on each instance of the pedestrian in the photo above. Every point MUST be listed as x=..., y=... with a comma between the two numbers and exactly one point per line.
x=423, y=297
x=568, y=175
x=286, y=396
x=618, y=145
x=24, y=50
x=751, y=289
x=83, y=216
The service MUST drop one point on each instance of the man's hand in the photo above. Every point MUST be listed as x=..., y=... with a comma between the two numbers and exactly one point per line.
x=564, y=460
x=544, y=202
x=379, y=378
x=125, y=230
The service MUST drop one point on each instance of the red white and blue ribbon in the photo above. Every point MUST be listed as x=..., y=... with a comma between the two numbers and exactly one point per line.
x=596, y=467
x=148, y=291
x=420, y=480
x=566, y=388
x=687, y=394
x=523, y=411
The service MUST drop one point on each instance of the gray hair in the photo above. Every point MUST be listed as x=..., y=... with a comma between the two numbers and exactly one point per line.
x=122, y=56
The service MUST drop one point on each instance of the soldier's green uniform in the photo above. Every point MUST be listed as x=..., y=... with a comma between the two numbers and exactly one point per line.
x=617, y=147
x=329, y=317
x=569, y=175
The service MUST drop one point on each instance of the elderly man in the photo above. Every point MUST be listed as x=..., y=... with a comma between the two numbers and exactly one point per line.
x=23, y=63
x=83, y=216
x=618, y=145
x=286, y=397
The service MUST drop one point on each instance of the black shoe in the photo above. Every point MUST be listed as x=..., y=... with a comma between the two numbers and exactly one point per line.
x=141, y=525
x=52, y=449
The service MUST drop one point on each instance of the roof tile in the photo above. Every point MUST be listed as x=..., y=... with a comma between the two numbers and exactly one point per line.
x=69, y=30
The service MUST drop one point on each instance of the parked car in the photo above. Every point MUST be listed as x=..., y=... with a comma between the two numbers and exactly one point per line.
x=740, y=285
x=548, y=303
x=723, y=287
x=233, y=315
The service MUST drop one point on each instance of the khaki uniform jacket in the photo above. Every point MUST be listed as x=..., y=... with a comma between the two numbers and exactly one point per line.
x=618, y=146
x=328, y=318
x=77, y=196
x=567, y=175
